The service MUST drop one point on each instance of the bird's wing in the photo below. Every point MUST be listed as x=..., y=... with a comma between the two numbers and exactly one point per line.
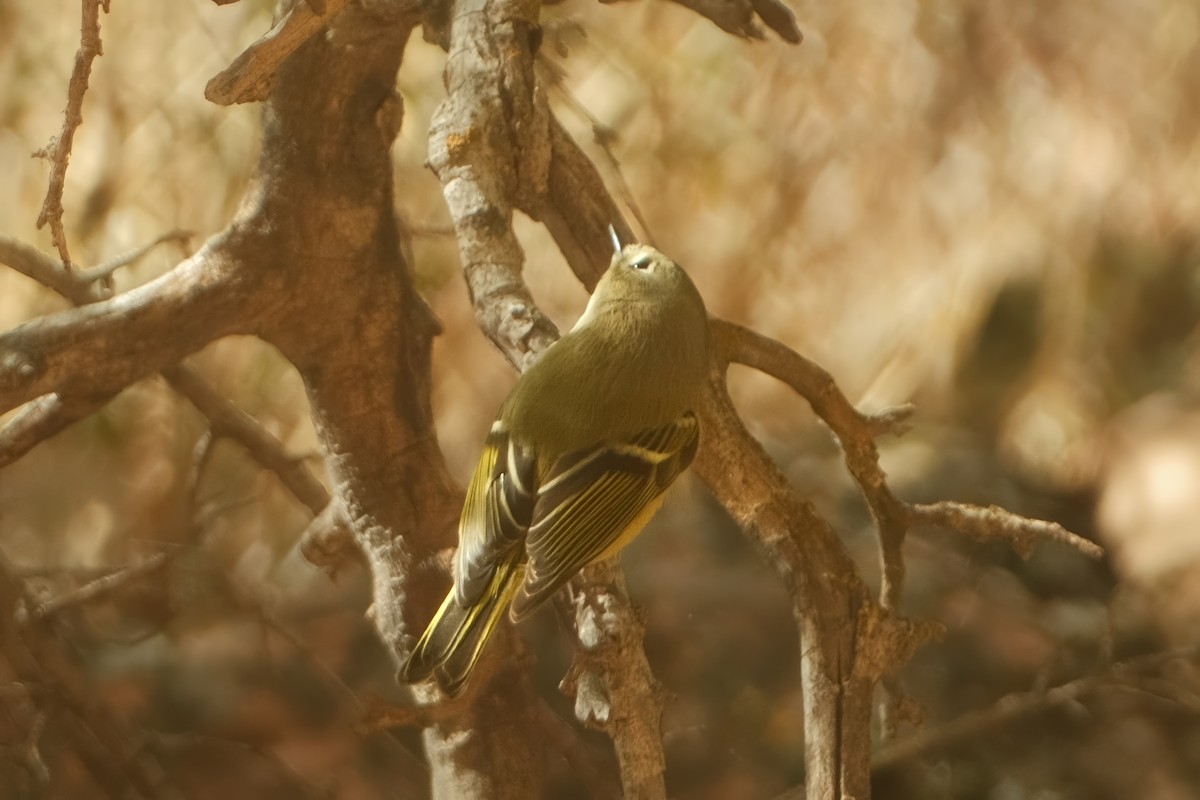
x=592, y=501
x=497, y=512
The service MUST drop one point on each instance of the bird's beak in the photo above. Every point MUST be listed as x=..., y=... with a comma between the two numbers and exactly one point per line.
x=616, y=240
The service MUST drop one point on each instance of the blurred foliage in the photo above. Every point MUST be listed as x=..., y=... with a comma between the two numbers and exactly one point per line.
x=988, y=207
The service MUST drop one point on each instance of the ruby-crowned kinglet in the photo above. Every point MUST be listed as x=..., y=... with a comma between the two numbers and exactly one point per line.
x=578, y=459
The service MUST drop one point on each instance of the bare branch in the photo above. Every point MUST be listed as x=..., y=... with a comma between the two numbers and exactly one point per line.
x=614, y=692
x=107, y=345
x=604, y=138
x=50, y=272
x=106, y=269
x=1015, y=707
x=779, y=17
x=253, y=74
x=381, y=717
x=732, y=16
x=38, y=655
x=58, y=151
x=894, y=421
x=994, y=522
x=855, y=432
x=229, y=420
x=41, y=419
x=486, y=172
x=91, y=591
x=737, y=17
x=50, y=414
x=579, y=209
x=833, y=610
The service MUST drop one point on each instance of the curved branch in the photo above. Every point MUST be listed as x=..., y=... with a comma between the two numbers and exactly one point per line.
x=855, y=431
x=105, y=346
x=838, y=622
x=43, y=418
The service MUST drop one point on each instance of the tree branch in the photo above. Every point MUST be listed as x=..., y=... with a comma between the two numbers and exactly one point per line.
x=50, y=272
x=58, y=151
x=737, y=17
x=855, y=431
x=92, y=590
x=328, y=541
x=38, y=656
x=1021, y=705
x=253, y=74
x=832, y=607
x=1021, y=533
x=578, y=209
x=229, y=420
x=614, y=690
x=43, y=418
x=107, y=345
x=487, y=168
x=46, y=416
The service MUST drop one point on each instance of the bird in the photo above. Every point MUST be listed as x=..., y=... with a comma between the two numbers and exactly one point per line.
x=579, y=458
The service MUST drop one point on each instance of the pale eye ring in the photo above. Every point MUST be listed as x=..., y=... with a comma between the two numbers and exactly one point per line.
x=642, y=262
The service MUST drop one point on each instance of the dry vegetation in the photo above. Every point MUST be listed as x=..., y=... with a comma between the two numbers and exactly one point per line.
x=988, y=208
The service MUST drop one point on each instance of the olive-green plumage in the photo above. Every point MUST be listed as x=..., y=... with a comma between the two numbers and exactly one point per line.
x=583, y=449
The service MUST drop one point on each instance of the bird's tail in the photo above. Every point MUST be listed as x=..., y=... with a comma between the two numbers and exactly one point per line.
x=451, y=645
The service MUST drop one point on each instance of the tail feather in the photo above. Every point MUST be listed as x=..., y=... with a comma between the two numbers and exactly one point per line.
x=455, y=638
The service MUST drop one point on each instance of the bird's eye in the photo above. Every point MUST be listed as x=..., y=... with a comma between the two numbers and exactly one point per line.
x=642, y=262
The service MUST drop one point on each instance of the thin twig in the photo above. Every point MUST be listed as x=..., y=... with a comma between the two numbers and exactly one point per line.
x=379, y=716
x=37, y=653
x=113, y=264
x=1018, y=706
x=58, y=151
x=993, y=522
x=229, y=420
x=92, y=590
x=79, y=286
x=49, y=272
x=604, y=137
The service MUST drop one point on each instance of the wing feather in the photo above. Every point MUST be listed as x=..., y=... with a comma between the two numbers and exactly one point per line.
x=496, y=514
x=582, y=507
x=591, y=501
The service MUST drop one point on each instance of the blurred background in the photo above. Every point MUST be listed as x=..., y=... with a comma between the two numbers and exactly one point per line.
x=990, y=208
